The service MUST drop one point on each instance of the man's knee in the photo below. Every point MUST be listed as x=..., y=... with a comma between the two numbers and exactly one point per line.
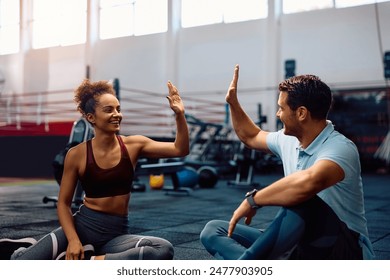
x=212, y=229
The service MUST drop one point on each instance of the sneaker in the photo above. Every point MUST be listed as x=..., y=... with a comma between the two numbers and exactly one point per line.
x=9, y=246
x=89, y=251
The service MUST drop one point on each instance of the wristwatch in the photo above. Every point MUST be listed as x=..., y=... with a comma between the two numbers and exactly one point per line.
x=249, y=197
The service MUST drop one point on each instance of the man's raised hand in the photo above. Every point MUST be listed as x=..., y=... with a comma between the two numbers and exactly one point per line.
x=231, y=95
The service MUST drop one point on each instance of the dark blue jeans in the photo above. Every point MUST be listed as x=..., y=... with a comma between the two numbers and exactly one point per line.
x=310, y=230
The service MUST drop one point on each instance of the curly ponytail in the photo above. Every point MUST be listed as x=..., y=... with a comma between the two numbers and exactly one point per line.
x=86, y=95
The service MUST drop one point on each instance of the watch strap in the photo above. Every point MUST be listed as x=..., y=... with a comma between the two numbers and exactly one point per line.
x=252, y=202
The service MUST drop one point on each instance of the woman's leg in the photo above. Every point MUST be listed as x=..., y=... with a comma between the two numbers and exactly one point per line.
x=109, y=234
x=214, y=238
x=110, y=238
x=47, y=248
x=134, y=247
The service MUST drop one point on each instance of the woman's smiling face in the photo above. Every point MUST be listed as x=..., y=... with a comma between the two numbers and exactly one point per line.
x=108, y=114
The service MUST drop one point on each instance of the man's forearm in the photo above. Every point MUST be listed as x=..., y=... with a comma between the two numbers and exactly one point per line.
x=243, y=125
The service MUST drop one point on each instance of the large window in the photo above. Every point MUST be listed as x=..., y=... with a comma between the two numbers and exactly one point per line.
x=350, y=3
x=59, y=23
x=296, y=6
x=9, y=26
x=204, y=12
x=119, y=18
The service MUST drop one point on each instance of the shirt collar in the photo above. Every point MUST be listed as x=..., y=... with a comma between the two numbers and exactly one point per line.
x=321, y=138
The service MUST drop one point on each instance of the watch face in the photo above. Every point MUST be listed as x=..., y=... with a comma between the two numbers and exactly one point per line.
x=250, y=193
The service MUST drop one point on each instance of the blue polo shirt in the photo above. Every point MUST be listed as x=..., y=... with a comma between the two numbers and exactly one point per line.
x=346, y=197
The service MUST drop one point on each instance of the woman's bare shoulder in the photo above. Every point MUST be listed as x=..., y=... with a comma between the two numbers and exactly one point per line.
x=77, y=151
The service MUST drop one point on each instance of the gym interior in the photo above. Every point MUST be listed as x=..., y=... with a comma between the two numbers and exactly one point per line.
x=48, y=47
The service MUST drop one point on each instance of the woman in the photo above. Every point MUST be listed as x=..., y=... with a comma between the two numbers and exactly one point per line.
x=105, y=167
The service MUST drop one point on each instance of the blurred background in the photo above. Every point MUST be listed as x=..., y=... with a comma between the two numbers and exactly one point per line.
x=47, y=47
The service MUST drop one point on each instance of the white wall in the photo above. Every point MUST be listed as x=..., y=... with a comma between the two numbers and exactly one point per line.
x=339, y=45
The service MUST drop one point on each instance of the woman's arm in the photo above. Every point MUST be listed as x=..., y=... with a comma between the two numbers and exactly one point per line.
x=178, y=148
x=68, y=185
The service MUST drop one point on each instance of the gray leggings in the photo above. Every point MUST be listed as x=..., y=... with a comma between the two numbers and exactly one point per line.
x=109, y=234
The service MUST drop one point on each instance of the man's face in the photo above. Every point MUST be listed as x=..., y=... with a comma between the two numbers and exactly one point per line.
x=287, y=116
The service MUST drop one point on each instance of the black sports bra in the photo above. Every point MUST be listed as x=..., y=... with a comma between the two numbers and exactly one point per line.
x=98, y=182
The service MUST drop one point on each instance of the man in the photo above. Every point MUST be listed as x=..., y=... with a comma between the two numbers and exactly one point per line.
x=321, y=196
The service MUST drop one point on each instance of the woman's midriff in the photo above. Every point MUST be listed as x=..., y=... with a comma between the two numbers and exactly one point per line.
x=116, y=205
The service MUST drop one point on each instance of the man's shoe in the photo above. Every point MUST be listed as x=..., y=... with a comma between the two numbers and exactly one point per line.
x=8, y=246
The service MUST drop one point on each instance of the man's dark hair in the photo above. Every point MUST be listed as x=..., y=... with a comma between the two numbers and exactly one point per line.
x=308, y=91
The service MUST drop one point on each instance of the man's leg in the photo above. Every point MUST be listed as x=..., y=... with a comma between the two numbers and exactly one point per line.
x=326, y=236
x=214, y=238
x=312, y=229
x=279, y=238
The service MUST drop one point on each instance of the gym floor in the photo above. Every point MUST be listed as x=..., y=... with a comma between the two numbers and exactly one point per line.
x=178, y=217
